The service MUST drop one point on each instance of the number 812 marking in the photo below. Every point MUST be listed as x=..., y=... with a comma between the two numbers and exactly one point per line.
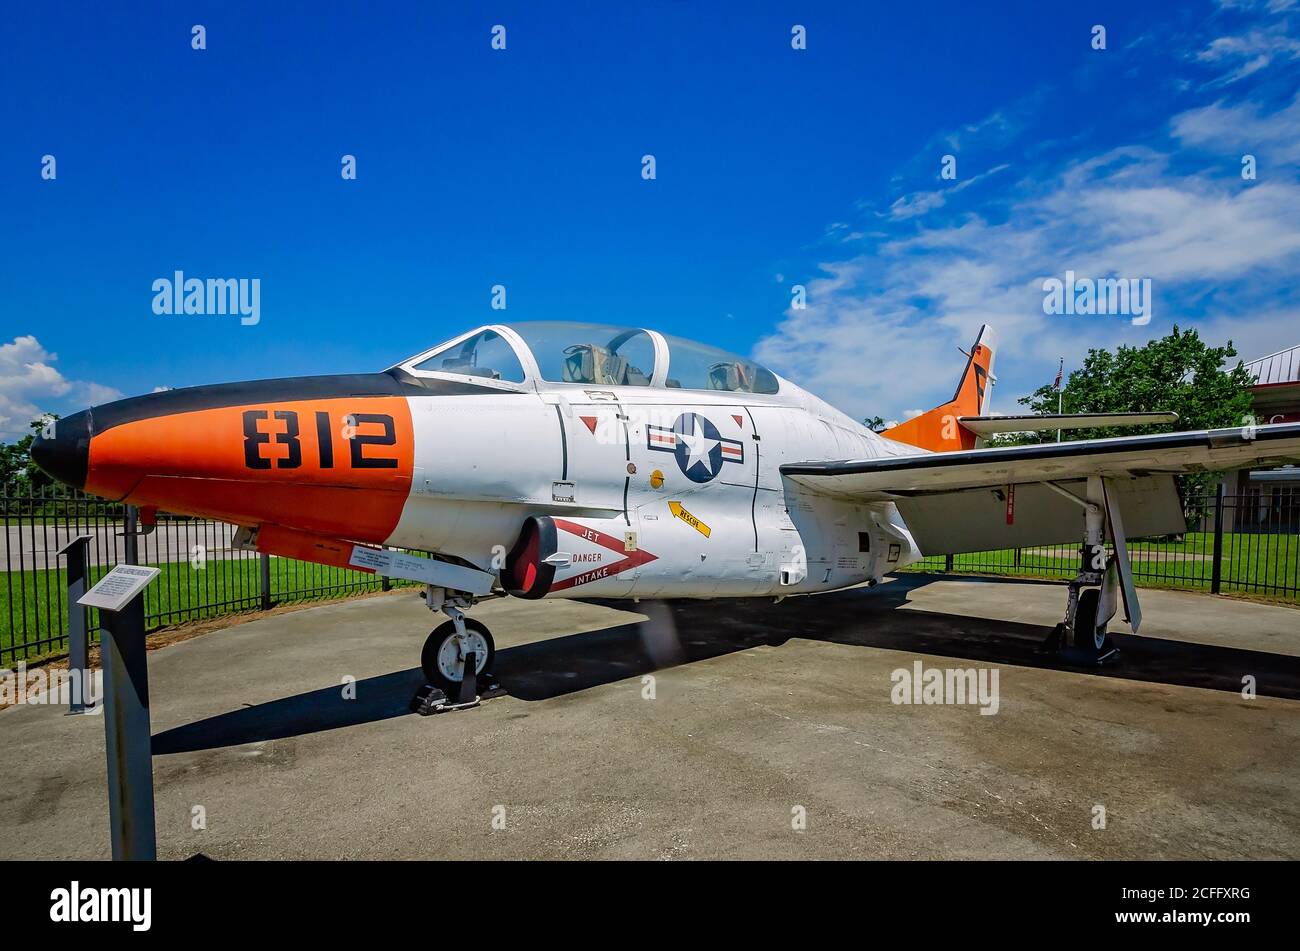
x=255, y=439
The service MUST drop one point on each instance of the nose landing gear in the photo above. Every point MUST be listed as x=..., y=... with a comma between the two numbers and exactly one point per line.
x=446, y=653
x=456, y=659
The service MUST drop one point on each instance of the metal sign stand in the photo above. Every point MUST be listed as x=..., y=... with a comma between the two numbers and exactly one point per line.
x=128, y=735
x=79, y=694
x=119, y=595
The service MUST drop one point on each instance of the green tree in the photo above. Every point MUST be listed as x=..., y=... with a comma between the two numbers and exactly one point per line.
x=1179, y=372
x=17, y=471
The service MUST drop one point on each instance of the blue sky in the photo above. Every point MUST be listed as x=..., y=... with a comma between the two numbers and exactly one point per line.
x=522, y=167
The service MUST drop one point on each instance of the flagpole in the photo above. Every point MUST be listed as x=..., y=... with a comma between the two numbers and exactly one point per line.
x=1059, y=394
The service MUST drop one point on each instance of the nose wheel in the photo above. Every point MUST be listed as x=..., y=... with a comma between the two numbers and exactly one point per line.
x=456, y=659
x=447, y=649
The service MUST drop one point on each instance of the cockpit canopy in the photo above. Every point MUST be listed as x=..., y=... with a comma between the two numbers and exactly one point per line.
x=592, y=355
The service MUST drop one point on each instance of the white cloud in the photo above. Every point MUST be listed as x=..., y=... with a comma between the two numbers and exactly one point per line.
x=1272, y=6
x=30, y=386
x=1248, y=53
x=880, y=331
x=1244, y=129
x=918, y=203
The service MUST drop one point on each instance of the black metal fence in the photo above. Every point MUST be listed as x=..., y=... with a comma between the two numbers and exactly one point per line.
x=1247, y=543
x=201, y=574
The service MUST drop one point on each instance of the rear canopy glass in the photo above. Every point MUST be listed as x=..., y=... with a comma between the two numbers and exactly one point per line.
x=694, y=366
x=596, y=354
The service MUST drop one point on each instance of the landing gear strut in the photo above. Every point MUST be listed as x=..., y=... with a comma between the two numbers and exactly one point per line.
x=456, y=659
x=1081, y=638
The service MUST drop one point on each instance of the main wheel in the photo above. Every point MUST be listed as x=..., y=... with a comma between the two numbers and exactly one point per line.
x=1089, y=635
x=443, y=659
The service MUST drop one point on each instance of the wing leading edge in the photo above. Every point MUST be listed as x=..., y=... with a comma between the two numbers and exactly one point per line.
x=894, y=477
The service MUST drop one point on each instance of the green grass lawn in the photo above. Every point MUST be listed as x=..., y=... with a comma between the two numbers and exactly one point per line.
x=1263, y=565
x=179, y=593
x=1251, y=564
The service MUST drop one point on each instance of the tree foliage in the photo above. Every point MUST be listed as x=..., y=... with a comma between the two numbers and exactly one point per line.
x=17, y=471
x=1179, y=372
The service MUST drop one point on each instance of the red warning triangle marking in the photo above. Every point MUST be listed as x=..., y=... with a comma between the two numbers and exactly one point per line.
x=740, y=421
x=590, y=422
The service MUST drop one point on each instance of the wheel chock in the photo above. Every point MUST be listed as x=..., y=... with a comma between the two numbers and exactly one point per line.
x=429, y=700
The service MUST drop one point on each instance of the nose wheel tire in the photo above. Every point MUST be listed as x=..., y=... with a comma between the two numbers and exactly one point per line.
x=443, y=656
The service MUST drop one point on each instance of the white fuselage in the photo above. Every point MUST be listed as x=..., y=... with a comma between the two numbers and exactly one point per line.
x=656, y=492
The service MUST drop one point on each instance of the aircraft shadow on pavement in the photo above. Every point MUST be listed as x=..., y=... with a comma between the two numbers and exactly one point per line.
x=684, y=632
x=377, y=698
x=878, y=618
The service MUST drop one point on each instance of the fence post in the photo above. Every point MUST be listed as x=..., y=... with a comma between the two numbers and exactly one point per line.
x=266, y=580
x=78, y=642
x=1216, y=576
x=947, y=562
x=130, y=538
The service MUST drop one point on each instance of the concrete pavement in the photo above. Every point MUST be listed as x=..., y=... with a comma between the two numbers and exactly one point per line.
x=761, y=713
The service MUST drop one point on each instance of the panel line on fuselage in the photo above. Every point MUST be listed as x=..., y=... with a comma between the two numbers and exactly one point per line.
x=627, y=455
x=564, y=445
x=758, y=467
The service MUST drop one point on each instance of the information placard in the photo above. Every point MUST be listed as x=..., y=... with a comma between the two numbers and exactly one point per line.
x=115, y=590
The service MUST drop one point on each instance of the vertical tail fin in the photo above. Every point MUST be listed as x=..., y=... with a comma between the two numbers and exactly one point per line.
x=938, y=430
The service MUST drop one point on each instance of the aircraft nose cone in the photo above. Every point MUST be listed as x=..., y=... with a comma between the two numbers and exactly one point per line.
x=63, y=449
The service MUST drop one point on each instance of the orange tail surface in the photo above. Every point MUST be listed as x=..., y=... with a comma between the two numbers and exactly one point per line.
x=938, y=430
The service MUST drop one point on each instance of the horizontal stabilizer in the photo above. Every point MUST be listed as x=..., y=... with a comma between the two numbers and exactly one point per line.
x=990, y=425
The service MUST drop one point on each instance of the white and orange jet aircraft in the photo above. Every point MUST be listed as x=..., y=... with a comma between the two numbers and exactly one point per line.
x=572, y=460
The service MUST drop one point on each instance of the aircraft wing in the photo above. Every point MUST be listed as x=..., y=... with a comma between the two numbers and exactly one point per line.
x=893, y=477
x=982, y=499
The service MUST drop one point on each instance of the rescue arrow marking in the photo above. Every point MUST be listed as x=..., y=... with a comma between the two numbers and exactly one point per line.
x=689, y=519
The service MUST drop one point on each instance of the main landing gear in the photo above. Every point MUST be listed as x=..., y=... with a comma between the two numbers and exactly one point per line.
x=1081, y=638
x=456, y=659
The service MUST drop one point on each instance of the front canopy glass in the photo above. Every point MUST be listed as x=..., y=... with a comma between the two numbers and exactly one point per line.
x=486, y=354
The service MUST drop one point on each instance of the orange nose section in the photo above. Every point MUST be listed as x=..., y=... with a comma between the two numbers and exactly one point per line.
x=329, y=464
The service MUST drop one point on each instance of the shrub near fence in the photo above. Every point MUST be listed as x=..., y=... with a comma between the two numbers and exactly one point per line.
x=201, y=575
